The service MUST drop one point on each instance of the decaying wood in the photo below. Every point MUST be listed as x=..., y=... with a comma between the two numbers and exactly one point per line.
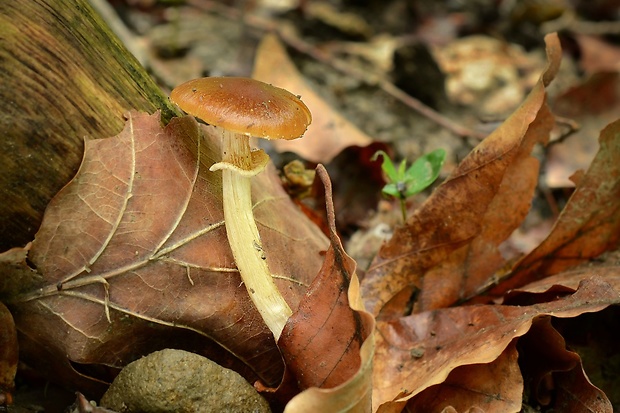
x=64, y=77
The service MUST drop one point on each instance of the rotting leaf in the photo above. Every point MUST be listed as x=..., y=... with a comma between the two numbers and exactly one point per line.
x=588, y=225
x=329, y=132
x=448, y=248
x=134, y=258
x=454, y=337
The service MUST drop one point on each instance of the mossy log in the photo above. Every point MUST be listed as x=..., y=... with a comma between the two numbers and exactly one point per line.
x=64, y=77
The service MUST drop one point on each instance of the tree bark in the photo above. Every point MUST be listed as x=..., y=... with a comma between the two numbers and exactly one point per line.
x=64, y=77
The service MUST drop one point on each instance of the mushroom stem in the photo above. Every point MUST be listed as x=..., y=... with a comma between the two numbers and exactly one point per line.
x=243, y=235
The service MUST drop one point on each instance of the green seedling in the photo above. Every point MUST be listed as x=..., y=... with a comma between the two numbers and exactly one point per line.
x=404, y=182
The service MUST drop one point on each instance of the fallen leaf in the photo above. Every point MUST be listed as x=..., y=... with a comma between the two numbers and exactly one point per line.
x=554, y=375
x=486, y=73
x=558, y=285
x=588, y=225
x=448, y=248
x=492, y=387
x=597, y=55
x=134, y=258
x=594, y=336
x=329, y=133
x=592, y=104
x=453, y=337
x=327, y=343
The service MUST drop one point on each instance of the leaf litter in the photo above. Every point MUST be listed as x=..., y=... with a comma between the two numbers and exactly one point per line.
x=133, y=257
x=447, y=252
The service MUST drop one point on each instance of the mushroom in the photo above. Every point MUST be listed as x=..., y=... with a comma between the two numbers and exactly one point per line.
x=241, y=108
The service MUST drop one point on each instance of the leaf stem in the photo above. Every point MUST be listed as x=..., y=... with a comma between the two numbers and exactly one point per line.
x=243, y=235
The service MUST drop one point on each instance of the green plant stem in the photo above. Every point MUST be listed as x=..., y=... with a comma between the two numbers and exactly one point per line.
x=244, y=238
x=403, y=208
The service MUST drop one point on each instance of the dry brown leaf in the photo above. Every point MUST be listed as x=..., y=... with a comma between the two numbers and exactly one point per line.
x=589, y=224
x=134, y=258
x=554, y=286
x=495, y=387
x=329, y=132
x=554, y=375
x=593, y=104
x=454, y=337
x=597, y=55
x=327, y=343
x=448, y=248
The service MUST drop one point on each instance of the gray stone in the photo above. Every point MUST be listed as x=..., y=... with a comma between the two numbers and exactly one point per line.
x=178, y=381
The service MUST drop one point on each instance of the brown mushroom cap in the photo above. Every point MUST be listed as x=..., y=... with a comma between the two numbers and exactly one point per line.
x=244, y=105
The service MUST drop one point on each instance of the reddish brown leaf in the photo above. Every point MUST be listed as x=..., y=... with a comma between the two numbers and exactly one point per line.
x=330, y=132
x=328, y=343
x=448, y=248
x=134, y=258
x=589, y=224
x=453, y=337
x=495, y=387
x=559, y=285
x=321, y=341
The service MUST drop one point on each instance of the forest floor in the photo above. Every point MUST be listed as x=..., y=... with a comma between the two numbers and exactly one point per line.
x=409, y=78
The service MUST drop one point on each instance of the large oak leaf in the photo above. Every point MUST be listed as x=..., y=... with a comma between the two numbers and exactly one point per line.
x=134, y=257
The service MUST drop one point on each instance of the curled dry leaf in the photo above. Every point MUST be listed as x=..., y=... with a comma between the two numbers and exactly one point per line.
x=329, y=132
x=565, y=283
x=448, y=248
x=134, y=257
x=453, y=337
x=492, y=387
x=554, y=375
x=328, y=342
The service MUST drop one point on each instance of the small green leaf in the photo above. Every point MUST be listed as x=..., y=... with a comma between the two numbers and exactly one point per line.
x=424, y=171
x=387, y=166
x=402, y=170
x=392, y=190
